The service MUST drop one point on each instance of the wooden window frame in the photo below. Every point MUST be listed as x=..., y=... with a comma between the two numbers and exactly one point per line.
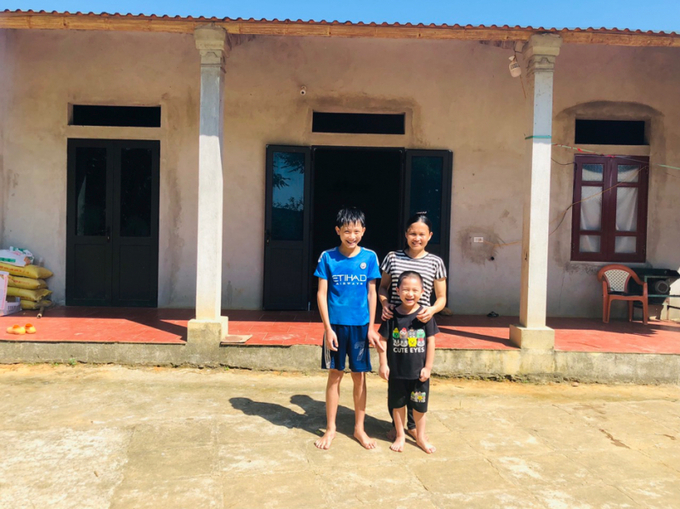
x=607, y=231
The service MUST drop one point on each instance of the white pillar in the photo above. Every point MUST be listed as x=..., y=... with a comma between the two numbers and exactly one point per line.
x=539, y=53
x=209, y=325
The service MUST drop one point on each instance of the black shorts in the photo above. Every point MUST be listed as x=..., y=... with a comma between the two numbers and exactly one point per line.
x=411, y=393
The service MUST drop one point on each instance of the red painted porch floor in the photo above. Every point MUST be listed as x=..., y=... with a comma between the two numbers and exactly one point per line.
x=284, y=328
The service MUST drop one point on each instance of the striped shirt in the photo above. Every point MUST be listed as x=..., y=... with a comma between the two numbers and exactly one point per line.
x=430, y=267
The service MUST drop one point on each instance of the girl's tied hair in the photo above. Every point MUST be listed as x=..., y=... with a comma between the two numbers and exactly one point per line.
x=419, y=217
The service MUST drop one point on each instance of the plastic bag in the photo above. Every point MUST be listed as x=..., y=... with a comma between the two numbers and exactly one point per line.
x=32, y=271
x=4, y=281
x=26, y=282
x=24, y=294
x=16, y=256
x=29, y=304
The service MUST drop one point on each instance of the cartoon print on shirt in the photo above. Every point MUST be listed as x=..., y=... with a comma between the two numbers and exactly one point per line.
x=408, y=341
x=420, y=334
x=412, y=340
x=403, y=335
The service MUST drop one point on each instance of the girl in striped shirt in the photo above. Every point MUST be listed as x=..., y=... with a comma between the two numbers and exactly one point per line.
x=416, y=258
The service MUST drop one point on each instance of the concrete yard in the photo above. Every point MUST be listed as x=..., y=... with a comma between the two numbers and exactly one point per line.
x=115, y=437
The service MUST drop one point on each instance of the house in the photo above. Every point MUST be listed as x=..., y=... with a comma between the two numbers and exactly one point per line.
x=180, y=162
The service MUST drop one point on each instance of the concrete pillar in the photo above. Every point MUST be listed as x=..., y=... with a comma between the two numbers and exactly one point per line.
x=209, y=326
x=539, y=53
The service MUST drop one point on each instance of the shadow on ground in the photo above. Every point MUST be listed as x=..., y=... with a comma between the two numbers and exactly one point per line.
x=313, y=420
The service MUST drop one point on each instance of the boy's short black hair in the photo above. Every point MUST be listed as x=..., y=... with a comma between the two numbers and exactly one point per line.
x=407, y=274
x=349, y=215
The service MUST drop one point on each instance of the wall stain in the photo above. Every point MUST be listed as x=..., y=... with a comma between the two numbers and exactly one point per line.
x=478, y=253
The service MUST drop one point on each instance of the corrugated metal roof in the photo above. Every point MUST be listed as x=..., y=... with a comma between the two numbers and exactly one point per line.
x=140, y=22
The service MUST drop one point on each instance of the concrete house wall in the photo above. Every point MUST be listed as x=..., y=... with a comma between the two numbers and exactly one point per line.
x=617, y=83
x=53, y=70
x=457, y=95
x=6, y=70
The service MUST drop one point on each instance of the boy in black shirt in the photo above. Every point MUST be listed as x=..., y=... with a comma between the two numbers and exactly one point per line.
x=407, y=360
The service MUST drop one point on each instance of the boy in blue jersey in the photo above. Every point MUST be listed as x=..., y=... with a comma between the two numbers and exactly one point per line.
x=347, y=299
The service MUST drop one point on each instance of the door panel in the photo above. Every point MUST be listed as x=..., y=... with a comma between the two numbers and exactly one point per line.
x=135, y=227
x=428, y=189
x=89, y=195
x=112, y=223
x=138, y=283
x=286, y=259
x=92, y=282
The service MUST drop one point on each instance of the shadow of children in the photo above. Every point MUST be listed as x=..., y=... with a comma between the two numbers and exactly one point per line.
x=312, y=420
x=375, y=428
x=277, y=414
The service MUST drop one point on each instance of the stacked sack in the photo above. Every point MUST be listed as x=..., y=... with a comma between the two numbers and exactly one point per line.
x=27, y=281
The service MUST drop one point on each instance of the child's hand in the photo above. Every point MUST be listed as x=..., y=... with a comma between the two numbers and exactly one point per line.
x=387, y=311
x=424, y=374
x=331, y=340
x=374, y=339
x=425, y=314
x=384, y=372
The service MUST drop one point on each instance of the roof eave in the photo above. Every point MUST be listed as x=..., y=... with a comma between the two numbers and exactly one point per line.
x=29, y=20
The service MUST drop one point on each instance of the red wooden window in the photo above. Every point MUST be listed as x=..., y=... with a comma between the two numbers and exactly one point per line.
x=609, y=221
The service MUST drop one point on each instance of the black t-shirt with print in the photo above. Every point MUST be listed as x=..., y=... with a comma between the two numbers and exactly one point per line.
x=407, y=344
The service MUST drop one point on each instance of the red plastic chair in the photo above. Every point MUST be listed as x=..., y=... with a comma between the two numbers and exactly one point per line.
x=615, y=279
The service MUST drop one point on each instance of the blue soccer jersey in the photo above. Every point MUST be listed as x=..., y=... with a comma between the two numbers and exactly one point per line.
x=348, y=284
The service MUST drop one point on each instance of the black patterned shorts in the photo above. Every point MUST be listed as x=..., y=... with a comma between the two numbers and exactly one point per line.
x=410, y=393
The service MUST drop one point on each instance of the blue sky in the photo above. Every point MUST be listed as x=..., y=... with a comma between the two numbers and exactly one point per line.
x=654, y=15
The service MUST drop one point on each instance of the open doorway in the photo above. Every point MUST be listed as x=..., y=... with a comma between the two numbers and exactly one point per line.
x=369, y=179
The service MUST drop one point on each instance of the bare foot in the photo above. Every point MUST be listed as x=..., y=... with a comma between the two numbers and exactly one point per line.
x=398, y=444
x=366, y=441
x=412, y=432
x=325, y=441
x=426, y=446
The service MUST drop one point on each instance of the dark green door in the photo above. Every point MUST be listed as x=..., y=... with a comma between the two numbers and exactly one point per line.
x=428, y=175
x=112, y=223
x=286, y=253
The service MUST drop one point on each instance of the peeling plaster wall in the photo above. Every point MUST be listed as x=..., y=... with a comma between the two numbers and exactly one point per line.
x=608, y=82
x=56, y=68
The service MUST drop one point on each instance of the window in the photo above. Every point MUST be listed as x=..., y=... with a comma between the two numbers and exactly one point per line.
x=358, y=123
x=609, y=221
x=610, y=132
x=117, y=116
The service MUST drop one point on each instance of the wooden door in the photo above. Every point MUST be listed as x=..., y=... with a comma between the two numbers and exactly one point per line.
x=112, y=223
x=286, y=252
